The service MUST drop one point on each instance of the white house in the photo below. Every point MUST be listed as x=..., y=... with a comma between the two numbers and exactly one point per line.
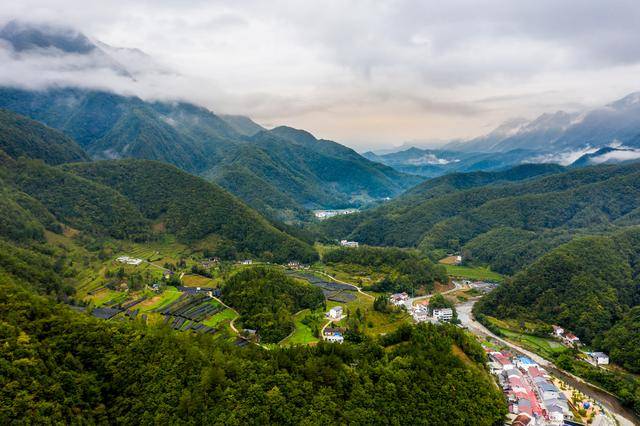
x=335, y=313
x=558, y=331
x=598, y=358
x=571, y=339
x=346, y=243
x=443, y=314
x=129, y=260
x=333, y=335
x=399, y=298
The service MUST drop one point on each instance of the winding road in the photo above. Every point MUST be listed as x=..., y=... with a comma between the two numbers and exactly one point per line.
x=623, y=415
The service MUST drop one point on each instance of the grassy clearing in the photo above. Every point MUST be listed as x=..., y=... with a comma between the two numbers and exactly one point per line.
x=106, y=296
x=190, y=280
x=303, y=335
x=170, y=295
x=477, y=273
x=540, y=345
x=226, y=315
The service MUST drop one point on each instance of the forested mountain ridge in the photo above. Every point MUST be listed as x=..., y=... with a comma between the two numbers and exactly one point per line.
x=544, y=211
x=312, y=173
x=589, y=286
x=20, y=136
x=123, y=199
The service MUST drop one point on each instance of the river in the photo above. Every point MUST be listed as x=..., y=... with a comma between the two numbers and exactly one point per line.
x=623, y=415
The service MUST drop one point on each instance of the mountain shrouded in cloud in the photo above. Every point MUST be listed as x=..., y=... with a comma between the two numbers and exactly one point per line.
x=367, y=73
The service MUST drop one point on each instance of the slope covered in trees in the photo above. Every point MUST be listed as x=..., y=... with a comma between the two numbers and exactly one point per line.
x=312, y=173
x=192, y=208
x=588, y=286
x=546, y=211
x=21, y=136
x=266, y=299
x=92, y=371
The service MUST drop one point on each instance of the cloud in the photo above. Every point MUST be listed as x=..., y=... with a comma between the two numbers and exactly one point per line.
x=426, y=69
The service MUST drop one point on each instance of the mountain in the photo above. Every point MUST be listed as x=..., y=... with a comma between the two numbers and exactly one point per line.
x=587, y=286
x=607, y=155
x=127, y=199
x=20, y=135
x=504, y=219
x=615, y=123
x=44, y=42
x=435, y=162
x=282, y=172
x=243, y=125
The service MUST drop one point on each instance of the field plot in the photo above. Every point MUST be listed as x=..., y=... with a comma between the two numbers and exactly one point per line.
x=168, y=296
x=302, y=335
x=541, y=345
x=191, y=280
x=221, y=317
x=477, y=273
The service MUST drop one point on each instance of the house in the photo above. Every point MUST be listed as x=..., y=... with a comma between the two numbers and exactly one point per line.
x=346, y=243
x=548, y=390
x=503, y=360
x=558, y=331
x=571, y=339
x=598, y=358
x=247, y=262
x=156, y=287
x=335, y=313
x=521, y=420
x=457, y=260
x=556, y=415
x=525, y=363
x=443, y=314
x=398, y=298
x=209, y=263
x=333, y=335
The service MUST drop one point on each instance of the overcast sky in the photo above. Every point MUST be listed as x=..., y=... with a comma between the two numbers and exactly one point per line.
x=369, y=74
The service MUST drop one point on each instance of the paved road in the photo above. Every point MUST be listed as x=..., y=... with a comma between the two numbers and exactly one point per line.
x=409, y=302
x=624, y=416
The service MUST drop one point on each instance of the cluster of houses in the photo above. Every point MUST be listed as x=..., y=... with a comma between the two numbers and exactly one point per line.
x=533, y=398
x=565, y=336
x=347, y=243
x=210, y=263
x=422, y=313
x=326, y=214
x=129, y=260
x=295, y=265
x=334, y=334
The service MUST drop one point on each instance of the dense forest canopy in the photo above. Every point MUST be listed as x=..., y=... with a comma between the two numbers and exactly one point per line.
x=517, y=221
x=588, y=286
x=266, y=298
x=404, y=270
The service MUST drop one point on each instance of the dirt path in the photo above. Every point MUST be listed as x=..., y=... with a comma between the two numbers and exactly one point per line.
x=359, y=290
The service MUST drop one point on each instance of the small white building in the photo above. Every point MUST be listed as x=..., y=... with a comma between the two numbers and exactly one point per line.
x=443, y=314
x=346, y=243
x=247, y=262
x=598, y=358
x=129, y=260
x=335, y=313
x=558, y=331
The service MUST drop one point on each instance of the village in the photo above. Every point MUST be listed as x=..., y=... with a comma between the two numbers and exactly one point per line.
x=537, y=398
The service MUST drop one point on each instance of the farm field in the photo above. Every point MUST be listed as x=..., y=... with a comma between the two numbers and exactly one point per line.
x=476, y=273
x=303, y=335
x=227, y=315
x=191, y=280
x=168, y=296
x=540, y=345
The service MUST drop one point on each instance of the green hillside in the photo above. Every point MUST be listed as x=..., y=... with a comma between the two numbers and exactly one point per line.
x=503, y=224
x=588, y=286
x=192, y=208
x=284, y=163
x=21, y=136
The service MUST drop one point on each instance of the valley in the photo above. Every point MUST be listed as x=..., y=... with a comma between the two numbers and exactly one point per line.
x=162, y=263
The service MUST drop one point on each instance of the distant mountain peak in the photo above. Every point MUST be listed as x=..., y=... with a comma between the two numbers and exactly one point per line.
x=24, y=36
